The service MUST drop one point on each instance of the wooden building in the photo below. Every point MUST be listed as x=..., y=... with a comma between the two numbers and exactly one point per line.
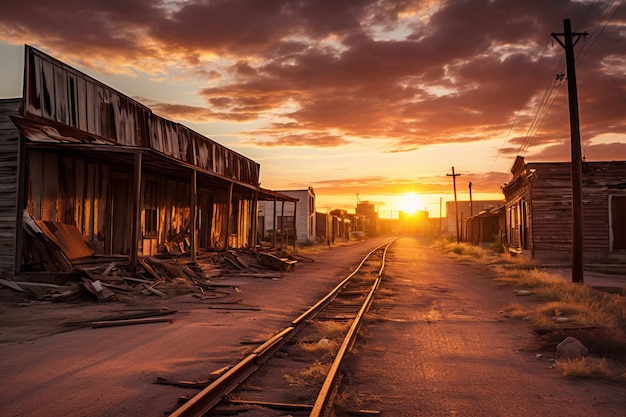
x=467, y=209
x=77, y=152
x=488, y=226
x=538, y=203
x=333, y=226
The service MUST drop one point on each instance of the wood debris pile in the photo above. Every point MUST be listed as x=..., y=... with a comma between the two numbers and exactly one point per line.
x=62, y=267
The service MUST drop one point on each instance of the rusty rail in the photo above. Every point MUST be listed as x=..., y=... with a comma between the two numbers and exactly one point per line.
x=210, y=396
x=327, y=391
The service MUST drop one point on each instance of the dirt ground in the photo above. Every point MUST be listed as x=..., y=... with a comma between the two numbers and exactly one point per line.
x=435, y=345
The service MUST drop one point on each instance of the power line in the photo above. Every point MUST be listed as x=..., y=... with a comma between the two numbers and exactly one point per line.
x=549, y=98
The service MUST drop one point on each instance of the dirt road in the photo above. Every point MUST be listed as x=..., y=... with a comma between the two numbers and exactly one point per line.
x=436, y=346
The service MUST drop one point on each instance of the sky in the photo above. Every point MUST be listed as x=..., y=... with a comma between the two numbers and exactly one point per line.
x=363, y=100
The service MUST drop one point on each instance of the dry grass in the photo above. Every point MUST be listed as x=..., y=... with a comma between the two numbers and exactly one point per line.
x=332, y=329
x=324, y=349
x=585, y=368
x=313, y=375
x=514, y=311
x=561, y=308
x=462, y=249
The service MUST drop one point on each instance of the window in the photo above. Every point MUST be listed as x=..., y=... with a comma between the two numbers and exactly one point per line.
x=150, y=210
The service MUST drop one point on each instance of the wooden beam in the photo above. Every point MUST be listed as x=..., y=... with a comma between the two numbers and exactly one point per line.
x=229, y=208
x=193, y=227
x=136, y=212
x=255, y=216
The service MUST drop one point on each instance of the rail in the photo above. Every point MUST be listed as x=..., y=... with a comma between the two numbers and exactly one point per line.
x=210, y=396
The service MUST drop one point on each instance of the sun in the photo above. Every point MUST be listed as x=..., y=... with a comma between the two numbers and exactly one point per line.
x=410, y=203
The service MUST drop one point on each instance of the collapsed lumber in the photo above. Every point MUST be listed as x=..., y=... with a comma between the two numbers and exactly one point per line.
x=135, y=315
x=112, y=323
x=59, y=255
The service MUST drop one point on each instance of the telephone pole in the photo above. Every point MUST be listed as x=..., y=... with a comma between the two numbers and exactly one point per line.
x=456, y=207
x=569, y=41
x=471, y=202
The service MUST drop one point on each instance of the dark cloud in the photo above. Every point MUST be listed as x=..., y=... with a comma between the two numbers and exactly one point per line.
x=338, y=71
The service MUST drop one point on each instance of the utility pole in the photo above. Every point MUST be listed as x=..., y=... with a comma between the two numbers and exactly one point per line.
x=576, y=154
x=456, y=207
x=471, y=202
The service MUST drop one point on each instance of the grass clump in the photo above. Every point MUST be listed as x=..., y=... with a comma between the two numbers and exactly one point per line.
x=584, y=368
x=567, y=299
x=463, y=249
x=311, y=376
x=514, y=311
x=332, y=329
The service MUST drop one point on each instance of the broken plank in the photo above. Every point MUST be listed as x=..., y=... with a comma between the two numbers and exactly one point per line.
x=234, y=308
x=128, y=322
x=11, y=284
x=109, y=268
x=184, y=384
x=133, y=315
x=274, y=405
x=150, y=270
x=154, y=290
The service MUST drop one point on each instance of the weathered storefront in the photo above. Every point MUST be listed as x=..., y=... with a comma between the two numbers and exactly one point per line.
x=539, y=209
x=77, y=152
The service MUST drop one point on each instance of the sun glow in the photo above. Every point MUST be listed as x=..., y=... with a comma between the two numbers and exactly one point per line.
x=410, y=203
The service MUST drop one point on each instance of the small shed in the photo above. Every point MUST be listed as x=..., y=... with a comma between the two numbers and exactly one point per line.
x=486, y=227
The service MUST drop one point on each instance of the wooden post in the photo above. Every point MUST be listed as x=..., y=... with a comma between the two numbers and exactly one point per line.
x=136, y=212
x=295, y=228
x=228, y=213
x=255, y=217
x=576, y=153
x=193, y=208
x=456, y=207
x=282, y=222
x=274, y=225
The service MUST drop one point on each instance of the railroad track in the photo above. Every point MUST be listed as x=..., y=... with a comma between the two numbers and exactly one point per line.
x=299, y=368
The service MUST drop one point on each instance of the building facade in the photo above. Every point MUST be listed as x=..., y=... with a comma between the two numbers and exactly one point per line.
x=288, y=220
x=538, y=204
x=78, y=153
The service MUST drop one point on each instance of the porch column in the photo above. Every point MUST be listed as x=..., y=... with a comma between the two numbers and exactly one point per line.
x=136, y=212
x=255, y=217
x=274, y=225
x=295, y=227
x=282, y=223
x=193, y=227
x=228, y=214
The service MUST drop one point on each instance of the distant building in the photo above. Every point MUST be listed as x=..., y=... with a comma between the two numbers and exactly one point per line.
x=488, y=226
x=466, y=209
x=366, y=219
x=290, y=219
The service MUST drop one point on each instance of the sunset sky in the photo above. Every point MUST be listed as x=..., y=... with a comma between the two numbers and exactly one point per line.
x=375, y=97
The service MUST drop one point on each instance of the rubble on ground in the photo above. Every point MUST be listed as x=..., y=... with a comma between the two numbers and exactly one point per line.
x=67, y=269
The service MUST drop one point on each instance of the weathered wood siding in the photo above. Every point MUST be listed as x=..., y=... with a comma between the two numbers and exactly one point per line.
x=64, y=95
x=9, y=148
x=551, y=203
x=70, y=191
x=548, y=190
